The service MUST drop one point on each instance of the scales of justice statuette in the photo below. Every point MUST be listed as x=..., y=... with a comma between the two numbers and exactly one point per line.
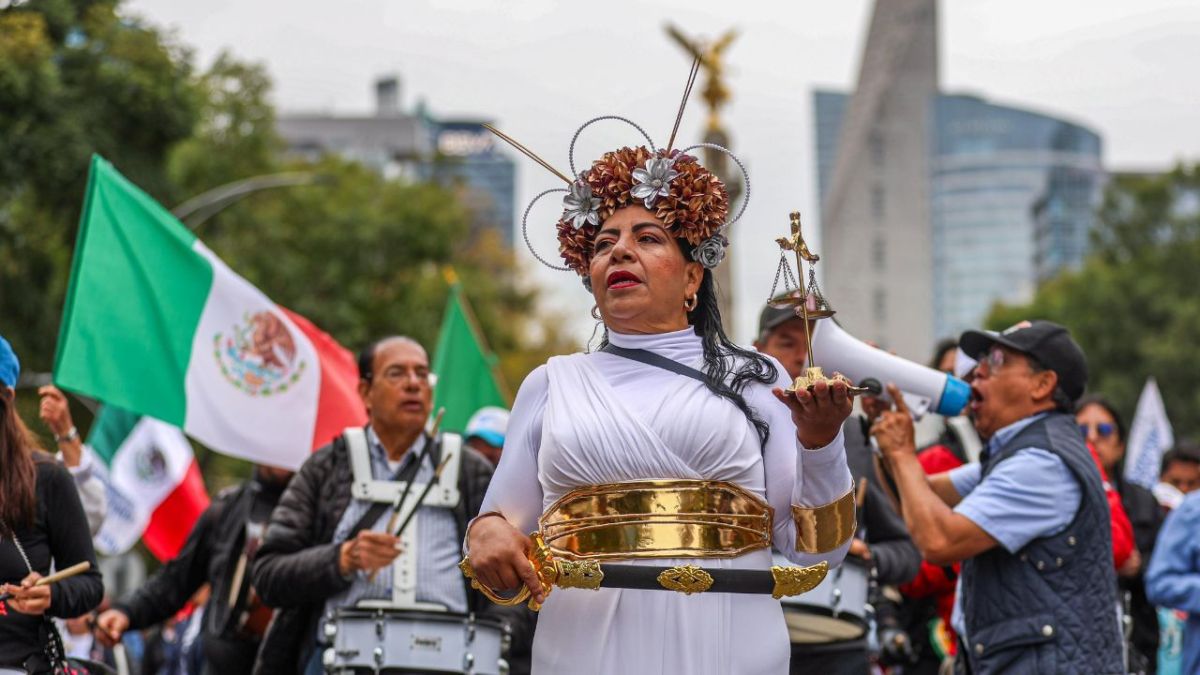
x=807, y=301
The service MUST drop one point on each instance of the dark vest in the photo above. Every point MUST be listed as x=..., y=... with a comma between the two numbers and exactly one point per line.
x=1051, y=607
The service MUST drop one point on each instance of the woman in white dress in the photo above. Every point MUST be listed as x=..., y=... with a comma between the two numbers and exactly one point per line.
x=645, y=228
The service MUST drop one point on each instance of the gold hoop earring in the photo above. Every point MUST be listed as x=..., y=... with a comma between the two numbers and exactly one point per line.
x=690, y=303
x=596, y=313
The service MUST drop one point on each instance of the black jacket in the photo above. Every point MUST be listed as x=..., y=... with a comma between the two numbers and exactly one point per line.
x=59, y=534
x=208, y=556
x=893, y=554
x=296, y=570
x=1146, y=517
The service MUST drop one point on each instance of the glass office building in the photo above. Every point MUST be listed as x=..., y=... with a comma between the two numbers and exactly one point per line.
x=1013, y=195
x=466, y=157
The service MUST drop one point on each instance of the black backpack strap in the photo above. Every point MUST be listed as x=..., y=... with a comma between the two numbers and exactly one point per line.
x=651, y=359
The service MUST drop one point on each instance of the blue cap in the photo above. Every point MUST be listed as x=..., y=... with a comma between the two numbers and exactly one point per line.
x=490, y=424
x=10, y=365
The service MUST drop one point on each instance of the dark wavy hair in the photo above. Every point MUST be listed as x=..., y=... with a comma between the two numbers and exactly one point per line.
x=723, y=358
x=17, y=472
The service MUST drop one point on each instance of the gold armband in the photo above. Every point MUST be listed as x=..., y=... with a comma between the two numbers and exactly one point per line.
x=820, y=529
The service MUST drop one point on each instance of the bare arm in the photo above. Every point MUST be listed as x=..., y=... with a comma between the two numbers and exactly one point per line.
x=943, y=536
x=942, y=486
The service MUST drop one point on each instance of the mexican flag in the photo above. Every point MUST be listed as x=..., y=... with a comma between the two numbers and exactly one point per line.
x=466, y=371
x=156, y=324
x=153, y=484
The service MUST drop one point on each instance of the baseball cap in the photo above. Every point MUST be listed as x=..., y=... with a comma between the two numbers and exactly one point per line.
x=1047, y=342
x=10, y=365
x=774, y=317
x=490, y=424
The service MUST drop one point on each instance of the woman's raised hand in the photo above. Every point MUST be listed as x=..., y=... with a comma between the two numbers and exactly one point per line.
x=819, y=413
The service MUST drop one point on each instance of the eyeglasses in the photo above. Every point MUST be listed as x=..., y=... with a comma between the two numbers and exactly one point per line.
x=396, y=375
x=994, y=360
x=1103, y=429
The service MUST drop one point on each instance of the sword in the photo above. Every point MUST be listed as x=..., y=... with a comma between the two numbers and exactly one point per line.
x=780, y=581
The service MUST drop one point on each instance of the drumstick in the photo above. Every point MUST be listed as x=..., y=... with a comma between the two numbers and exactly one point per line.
x=437, y=475
x=861, y=493
x=57, y=576
x=121, y=659
x=437, y=422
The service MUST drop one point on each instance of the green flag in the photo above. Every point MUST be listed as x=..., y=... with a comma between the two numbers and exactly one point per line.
x=466, y=377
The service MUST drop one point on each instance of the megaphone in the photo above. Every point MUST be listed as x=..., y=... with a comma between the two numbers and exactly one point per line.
x=924, y=388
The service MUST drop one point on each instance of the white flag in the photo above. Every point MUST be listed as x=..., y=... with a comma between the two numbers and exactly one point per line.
x=1149, y=437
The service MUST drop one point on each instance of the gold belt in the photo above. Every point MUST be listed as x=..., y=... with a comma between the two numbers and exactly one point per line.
x=657, y=519
x=672, y=519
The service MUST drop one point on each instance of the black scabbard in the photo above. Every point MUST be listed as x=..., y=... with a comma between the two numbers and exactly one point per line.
x=777, y=582
x=643, y=577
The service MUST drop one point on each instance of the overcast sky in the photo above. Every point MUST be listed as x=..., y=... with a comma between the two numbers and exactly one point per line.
x=541, y=68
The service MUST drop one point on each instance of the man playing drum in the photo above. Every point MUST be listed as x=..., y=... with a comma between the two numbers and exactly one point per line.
x=332, y=543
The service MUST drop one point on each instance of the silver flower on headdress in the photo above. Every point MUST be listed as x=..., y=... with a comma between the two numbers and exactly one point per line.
x=711, y=251
x=580, y=206
x=654, y=181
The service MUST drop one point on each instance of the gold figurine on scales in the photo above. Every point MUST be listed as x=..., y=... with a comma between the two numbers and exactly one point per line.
x=807, y=301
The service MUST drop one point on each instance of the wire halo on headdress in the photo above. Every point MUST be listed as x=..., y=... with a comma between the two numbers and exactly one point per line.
x=745, y=176
x=585, y=125
x=646, y=174
x=525, y=230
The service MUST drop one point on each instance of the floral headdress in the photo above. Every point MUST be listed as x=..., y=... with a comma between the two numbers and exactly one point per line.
x=689, y=199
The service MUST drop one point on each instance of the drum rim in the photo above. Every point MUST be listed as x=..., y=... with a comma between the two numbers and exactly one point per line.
x=441, y=617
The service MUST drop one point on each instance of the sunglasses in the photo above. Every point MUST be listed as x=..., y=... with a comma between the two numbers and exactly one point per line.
x=1103, y=429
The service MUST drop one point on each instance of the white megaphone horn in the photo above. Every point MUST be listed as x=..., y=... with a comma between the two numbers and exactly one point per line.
x=924, y=388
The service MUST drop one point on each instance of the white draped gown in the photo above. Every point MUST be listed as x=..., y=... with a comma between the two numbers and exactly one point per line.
x=587, y=419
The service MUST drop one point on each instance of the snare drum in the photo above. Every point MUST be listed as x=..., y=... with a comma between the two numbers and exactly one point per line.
x=833, y=611
x=399, y=641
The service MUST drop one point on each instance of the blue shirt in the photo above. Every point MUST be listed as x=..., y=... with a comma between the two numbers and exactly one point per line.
x=1173, y=576
x=1028, y=496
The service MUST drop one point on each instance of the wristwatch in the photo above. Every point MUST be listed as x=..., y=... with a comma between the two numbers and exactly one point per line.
x=71, y=435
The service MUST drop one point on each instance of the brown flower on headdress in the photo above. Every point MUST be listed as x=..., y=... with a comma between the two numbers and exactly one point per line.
x=695, y=208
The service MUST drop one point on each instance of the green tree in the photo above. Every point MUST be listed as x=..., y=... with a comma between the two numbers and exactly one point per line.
x=360, y=255
x=235, y=135
x=1134, y=305
x=75, y=78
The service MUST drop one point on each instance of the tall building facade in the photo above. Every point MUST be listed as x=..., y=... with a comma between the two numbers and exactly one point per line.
x=467, y=157
x=933, y=210
x=460, y=154
x=876, y=238
x=1014, y=195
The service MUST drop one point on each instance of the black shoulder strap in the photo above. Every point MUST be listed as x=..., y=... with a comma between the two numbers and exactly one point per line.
x=406, y=473
x=651, y=359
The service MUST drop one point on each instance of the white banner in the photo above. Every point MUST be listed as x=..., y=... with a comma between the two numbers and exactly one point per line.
x=1149, y=437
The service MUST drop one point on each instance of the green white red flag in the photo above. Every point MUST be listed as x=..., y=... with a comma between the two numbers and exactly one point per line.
x=156, y=324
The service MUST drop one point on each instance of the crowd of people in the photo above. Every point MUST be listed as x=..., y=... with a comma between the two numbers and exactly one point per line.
x=1036, y=556
x=726, y=508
